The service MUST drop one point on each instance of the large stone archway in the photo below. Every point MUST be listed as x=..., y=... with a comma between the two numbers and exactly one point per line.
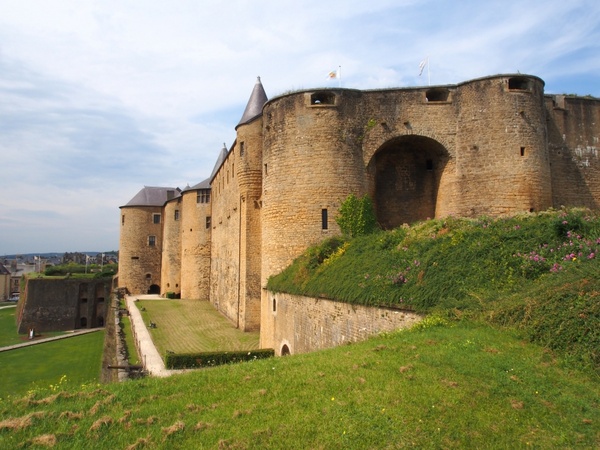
x=406, y=174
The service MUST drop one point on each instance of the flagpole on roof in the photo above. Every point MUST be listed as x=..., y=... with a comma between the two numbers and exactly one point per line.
x=340, y=75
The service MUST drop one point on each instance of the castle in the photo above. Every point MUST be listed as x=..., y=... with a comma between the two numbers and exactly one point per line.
x=491, y=146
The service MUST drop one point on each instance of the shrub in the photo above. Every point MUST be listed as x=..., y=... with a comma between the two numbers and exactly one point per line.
x=357, y=216
x=211, y=359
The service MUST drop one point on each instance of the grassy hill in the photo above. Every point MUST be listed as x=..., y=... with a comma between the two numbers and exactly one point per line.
x=507, y=358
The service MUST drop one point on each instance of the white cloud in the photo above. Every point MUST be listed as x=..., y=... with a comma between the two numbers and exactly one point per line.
x=102, y=97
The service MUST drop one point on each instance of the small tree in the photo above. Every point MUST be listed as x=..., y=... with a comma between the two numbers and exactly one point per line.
x=357, y=216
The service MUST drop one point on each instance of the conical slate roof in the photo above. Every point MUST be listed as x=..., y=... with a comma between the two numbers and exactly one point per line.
x=258, y=98
x=220, y=161
x=153, y=196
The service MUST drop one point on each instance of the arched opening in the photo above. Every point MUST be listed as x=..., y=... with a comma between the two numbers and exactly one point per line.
x=154, y=289
x=83, y=322
x=285, y=350
x=406, y=177
x=100, y=321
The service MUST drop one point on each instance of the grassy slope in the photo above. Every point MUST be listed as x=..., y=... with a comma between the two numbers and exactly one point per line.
x=458, y=386
x=535, y=272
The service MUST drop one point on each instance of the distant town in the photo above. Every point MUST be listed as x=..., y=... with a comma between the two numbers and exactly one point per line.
x=13, y=267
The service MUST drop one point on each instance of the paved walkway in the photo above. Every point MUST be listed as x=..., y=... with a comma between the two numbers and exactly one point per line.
x=151, y=359
x=55, y=338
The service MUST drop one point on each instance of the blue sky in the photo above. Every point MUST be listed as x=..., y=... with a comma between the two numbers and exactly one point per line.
x=101, y=97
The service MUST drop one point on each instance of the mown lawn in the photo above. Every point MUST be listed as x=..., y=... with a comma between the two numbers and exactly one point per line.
x=186, y=326
x=73, y=361
x=8, y=329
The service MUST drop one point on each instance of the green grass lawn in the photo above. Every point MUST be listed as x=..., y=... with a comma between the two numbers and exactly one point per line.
x=8, y=329
x=129, y=341
x=187, y=326
x=42, y=365
x=453, y=385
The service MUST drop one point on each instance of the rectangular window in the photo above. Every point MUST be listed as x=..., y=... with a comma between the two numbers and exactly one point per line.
x=123, y=219
x=176, y=214
x=429, y=164
x=522, y=151
x=241, y=149
x=324, y=221
x=151, y=241
x=155, y=218
x=208, y=221
x=203, y=196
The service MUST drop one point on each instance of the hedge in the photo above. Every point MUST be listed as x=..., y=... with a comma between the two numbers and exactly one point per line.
x=211, y=359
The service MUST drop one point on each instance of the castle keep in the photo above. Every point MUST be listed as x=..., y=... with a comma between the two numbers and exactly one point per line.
x=491, y=146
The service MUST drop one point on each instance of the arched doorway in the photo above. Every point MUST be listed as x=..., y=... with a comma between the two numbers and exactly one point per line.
x=285, y=350
x=406, y=173
x=154, y=289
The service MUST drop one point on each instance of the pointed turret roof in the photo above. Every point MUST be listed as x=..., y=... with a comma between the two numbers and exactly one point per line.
x=258, y=98
x=220, y=160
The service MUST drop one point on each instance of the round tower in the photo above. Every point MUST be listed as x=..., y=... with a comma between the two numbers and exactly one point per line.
x=503, y=164
x=195, y=241
x=312, y=160
x=141, y=237
x=171, y=247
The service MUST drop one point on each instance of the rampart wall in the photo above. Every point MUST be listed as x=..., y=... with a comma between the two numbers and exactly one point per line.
x=573, y=145
x=296, y=324
x=225, y=242
x=63, y=304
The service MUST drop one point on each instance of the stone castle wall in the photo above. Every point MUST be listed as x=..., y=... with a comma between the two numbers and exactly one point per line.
x=296, y=324
x=63, y=304
x=225, y=241
x=573, y=145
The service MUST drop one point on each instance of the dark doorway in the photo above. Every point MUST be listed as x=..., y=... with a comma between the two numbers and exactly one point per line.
x=285, y=350
x=83, y=322
x=407, y=173
x=154, y=289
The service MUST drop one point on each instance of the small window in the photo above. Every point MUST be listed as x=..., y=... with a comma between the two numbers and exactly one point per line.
x=148, y=276
x=151, y=241
x=155, y=218
x=266, y=171
x=322, y=98
x=208, y=222
x=176, y=214
x=241, y=149
x=437, y=95
x=522, y=151
x=518, y=84
x=135, y=258
x=429, y=164
x=123, y=219
x=83, y=300
x=274, y=305
x=324, y=220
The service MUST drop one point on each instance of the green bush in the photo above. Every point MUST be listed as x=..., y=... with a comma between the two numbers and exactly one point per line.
x=211, y=359
x=357, y=216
